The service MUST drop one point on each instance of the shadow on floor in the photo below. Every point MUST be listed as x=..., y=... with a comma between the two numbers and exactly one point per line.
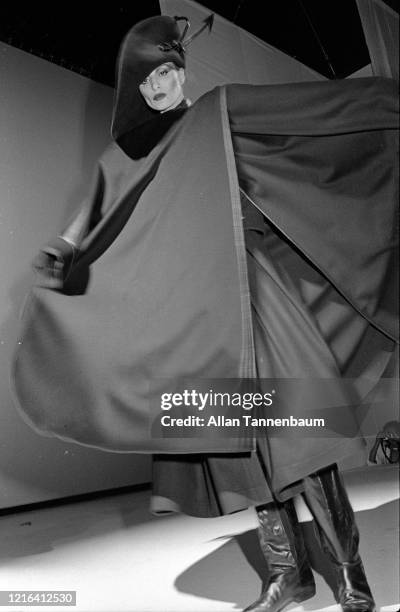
x=234, y=572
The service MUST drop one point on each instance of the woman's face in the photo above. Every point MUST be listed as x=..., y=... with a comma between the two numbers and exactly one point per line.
x=162, y=88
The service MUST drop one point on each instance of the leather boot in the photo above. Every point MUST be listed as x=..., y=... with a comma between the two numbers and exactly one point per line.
x=281, y=539
x=327, y=500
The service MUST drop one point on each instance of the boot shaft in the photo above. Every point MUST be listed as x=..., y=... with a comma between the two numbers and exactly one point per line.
x=329, y=504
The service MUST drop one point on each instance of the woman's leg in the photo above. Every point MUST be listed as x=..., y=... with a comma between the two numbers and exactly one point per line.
x=326, y=497
x=290, y=577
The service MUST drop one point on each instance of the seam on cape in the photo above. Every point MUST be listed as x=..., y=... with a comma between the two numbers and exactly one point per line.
x=247, y=358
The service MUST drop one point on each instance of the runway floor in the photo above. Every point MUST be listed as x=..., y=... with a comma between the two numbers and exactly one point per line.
x=118, y=557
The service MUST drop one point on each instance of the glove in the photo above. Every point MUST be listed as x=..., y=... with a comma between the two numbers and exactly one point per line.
x=53, y=263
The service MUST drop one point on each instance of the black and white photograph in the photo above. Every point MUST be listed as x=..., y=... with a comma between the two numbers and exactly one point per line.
x=199, y=344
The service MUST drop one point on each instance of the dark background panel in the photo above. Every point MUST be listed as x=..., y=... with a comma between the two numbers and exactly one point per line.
x=326, y=36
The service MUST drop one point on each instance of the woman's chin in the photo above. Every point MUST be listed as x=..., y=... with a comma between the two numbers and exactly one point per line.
x=170, y=105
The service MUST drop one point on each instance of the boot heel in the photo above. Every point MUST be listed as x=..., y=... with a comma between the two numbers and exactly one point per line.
x=283, y=547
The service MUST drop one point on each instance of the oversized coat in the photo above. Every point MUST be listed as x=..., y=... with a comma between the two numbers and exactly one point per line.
x=156, y=283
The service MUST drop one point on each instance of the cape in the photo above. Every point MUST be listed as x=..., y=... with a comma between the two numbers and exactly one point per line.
x=152, y=284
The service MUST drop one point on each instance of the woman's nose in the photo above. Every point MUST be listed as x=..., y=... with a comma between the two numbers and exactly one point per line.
x=154, y=84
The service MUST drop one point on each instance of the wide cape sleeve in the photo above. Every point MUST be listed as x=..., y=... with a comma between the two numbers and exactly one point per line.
x=156, y=294
x=320, y=160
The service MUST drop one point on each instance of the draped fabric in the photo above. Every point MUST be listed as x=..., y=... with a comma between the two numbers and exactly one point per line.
x=145, y=300
x=158, y=284
x=333, y=195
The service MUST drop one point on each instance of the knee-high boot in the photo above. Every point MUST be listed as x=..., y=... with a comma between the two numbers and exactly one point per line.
x=290, y=577
x=327, y=500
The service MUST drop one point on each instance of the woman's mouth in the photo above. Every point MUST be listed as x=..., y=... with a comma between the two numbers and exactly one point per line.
x=158, y=97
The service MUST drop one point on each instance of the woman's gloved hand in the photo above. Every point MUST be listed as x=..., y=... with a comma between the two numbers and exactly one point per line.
x=53, y=263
